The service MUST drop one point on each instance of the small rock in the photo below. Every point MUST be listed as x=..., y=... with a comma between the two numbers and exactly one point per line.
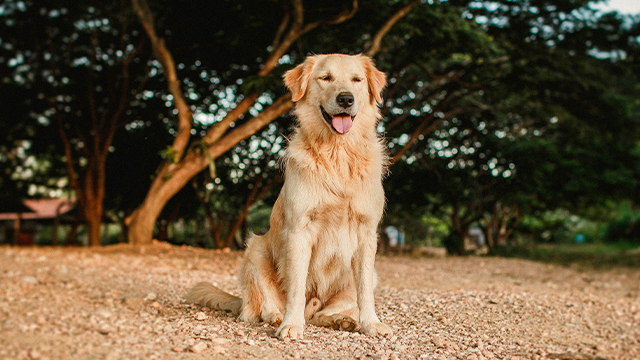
x=198, y=348
x=178, y=349
x=104, y=330
x=104, y=313
x=34, y=354
x=218, y=349
x=133, y=303
x=29, y=279
x=219, y=341
x=201, y=316
x=436, y=341
x=150, y=296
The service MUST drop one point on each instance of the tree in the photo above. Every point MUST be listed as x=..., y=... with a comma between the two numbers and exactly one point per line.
x=552, y=95
x=83, y=64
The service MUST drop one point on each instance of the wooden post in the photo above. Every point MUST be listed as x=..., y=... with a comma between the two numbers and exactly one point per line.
x=16, y=229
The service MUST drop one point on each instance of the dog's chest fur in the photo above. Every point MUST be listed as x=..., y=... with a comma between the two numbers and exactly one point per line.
x=348, y=208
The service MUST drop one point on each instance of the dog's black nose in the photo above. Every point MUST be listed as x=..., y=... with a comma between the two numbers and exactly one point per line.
x=345, y=99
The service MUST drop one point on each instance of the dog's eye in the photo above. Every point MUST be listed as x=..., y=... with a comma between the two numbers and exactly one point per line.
x=326, y=78
x=356, y=79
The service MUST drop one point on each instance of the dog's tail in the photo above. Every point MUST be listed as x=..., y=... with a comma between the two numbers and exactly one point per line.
x=206, y=294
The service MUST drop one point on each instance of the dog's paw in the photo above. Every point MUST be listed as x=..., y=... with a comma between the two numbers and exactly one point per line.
x=273, y=318
x=292, y=332
x=249, y=317
x=375, y=329
x=345, y=323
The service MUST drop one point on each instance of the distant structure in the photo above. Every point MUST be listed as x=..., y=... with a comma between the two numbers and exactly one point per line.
x=21, y=220
x=396, y=237
x=476, y=238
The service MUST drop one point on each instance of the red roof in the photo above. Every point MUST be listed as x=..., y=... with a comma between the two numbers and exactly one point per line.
x=42, y=209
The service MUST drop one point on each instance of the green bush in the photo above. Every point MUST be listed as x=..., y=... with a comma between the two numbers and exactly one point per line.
x=624, y=228
x=454, y=244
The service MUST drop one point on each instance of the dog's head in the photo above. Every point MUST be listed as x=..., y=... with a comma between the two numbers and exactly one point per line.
x=337, y=87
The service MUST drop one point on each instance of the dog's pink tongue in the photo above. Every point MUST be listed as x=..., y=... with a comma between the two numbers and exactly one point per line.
x=342, y=124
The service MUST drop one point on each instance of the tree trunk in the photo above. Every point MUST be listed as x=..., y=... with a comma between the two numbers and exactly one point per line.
x=213, y=226
x=122, y=237
x=16, y=230
x=94, y=223
x=94, y=181
x=460, y=228
x=253, y=197
x=71, y=235
x=141, y=222
x=171, y=179
x=501, y=223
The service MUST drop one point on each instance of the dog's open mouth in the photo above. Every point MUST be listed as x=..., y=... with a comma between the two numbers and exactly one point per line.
x=341, y=123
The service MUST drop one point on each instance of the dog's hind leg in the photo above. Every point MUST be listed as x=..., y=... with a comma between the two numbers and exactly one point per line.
x=313, y=305
x=340, y=312
x=263, y=299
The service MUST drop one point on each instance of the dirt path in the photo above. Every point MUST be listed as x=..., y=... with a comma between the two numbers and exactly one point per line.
x=127, y=303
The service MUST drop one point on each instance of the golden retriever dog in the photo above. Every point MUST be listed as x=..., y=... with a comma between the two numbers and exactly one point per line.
x=316, y=263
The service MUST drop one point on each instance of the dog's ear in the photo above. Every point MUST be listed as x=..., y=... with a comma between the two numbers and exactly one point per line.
x=376, y=79
x=297, y=78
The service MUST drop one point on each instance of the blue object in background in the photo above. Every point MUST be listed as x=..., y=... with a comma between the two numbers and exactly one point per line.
x=579, y=238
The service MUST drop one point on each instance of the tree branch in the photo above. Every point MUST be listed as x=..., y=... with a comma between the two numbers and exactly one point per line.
x=68, y=154
x=164, y=56
x=429, y=124
x=283, y=26
x=377, y=38
x=298, y=29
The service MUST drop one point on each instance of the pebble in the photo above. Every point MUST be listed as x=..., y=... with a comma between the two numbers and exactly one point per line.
x=150, y=296
x=218, y=349
x=134, y=303
x=436, y=341
x=198, y=347
x=104, y=313
x=219, y=341
x=201, y=316
x=29, y=280
x=104, y=329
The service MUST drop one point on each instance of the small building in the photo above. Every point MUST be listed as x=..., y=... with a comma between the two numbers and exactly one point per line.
x=20, y=221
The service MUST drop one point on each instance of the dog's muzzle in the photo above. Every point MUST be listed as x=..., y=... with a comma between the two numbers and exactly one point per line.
x=341, y=122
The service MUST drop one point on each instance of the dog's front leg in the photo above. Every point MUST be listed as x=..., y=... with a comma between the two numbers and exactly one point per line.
x=298, y=255
x=364, y=271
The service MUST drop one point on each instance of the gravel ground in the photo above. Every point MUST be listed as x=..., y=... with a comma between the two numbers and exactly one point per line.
x=123, y=302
